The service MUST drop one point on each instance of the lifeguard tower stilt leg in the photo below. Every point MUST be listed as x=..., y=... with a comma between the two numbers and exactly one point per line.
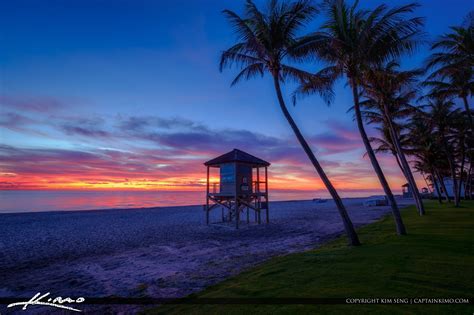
x=207, y=197
x=266, y=193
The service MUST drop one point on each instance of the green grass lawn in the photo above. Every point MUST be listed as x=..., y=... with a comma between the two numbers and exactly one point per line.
x=436, y=259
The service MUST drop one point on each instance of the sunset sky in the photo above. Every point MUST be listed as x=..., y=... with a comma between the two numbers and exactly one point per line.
x=129, y=96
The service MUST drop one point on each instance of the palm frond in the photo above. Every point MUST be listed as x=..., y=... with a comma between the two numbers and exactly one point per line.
x=249, y=72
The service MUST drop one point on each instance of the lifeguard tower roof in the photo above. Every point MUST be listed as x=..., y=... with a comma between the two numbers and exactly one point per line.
x=239, y=156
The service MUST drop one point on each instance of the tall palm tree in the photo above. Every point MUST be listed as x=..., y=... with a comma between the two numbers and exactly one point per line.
x=469, y=173
x=424, y=147
x=462, y=145
x=453, y=61
x=389, y=92
x=350, y=41
x=421, y=166
x=442, y=114
x=453, y=80
x=453, y=76
x=264, y=42
x=384, y=144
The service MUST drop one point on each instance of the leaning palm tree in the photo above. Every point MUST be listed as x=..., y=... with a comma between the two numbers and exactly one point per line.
x=456, y=47
x=461, y=128
x=384, y=144
x=425, y=148
x=443, y=116
x=389, y=92
x=453, y=80
x=265, y=39
x=350, y=41
x=452, y=65
x=453, y=61
x=421, y=166
x=468, y=187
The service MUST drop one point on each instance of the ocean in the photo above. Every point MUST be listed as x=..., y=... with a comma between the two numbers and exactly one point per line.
x=70, y=200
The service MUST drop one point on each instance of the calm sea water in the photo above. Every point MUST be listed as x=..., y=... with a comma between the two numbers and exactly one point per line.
x=58, y=200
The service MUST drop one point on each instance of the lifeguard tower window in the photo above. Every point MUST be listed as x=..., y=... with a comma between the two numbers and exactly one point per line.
x=236, y=177
x=227, y=177
x=244, y=180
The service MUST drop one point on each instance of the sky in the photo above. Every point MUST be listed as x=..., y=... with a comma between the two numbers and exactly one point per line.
x=128, y=95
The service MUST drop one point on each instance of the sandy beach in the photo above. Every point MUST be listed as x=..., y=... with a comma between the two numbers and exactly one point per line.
x=157, y=252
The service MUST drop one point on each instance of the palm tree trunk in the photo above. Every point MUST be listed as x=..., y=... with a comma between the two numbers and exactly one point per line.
x=468, y=111
x=452, y=169
x=468, y=184
x=408, y=174
x=435, y=183
x=375, y=164
x=468, y=193
x=443, y=185
x=463, y=158
x=455, y=184
x=348, y=226
x=426, y=182
x=399, y=164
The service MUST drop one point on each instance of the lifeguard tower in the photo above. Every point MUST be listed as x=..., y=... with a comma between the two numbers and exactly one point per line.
x=237, y=190
x=406, y=191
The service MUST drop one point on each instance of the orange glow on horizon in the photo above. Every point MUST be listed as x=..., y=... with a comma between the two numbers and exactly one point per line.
x=191, y=182
x=286, y=175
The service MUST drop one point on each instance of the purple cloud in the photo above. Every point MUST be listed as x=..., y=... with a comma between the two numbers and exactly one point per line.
x=341, y=138
x=14, y=121
x=84, y=127
x=36, y=104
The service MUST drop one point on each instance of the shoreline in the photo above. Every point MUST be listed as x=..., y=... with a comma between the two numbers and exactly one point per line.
x=21, y=201
x=170, y=206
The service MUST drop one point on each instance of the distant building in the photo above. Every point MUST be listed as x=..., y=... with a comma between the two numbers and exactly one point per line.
x=406, y=191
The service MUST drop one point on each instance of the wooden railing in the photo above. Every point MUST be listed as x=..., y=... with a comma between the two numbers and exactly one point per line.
x=256, y=187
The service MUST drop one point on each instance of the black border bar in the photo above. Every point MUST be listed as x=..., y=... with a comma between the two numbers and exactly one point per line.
x=260, y=301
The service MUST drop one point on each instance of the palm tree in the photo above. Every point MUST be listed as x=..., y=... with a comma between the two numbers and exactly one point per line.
x=389, y=92
x=424, y=147
x=443, y=116
x=469, y=173
x=453, y=80
x=384, y=144
x=350, y=41
x=453, y=59
x=462, y=145
x=421, y=166
x=457, y=47
x=265, y=39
